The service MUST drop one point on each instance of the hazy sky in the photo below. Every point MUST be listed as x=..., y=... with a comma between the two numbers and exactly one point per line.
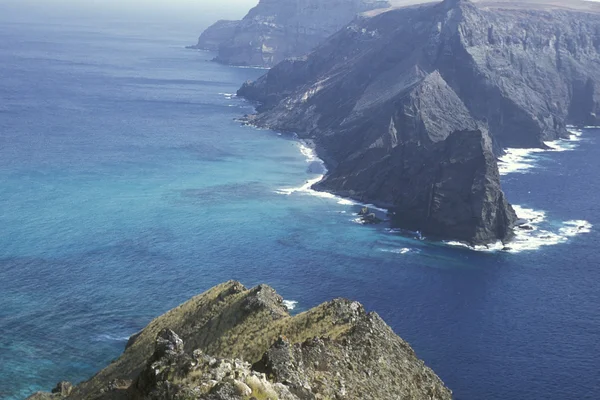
x=227, y=6
x=190, y=15
x=200, y=9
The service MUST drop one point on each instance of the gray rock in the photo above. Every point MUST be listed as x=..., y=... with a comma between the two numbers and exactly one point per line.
x=63, y=388
x=220, y=32
x=335, y=350
x=278, y=29
x=369, y=218
x=409, y=107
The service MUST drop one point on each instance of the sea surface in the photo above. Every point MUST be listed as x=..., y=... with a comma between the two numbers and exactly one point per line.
x=127, y=186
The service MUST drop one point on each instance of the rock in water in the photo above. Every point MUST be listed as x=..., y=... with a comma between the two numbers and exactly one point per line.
x=369, y=218
x=236, y=343
x=278, y=29
x=409, y=106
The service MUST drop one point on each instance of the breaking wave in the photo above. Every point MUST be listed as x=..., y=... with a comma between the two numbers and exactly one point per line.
x=523, y=160
x=535, y=232
x=290, y=304
x=311, y=157
x=403, y=250
x=111, y=338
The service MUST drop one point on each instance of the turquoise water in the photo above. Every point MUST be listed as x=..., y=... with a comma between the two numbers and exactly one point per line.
x=127, y=186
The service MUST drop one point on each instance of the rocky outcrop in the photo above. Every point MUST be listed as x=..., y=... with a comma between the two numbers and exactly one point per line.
x=236, y=343
x=368, y=218
x=408, y=107
x=278, y=29
x=218, y=33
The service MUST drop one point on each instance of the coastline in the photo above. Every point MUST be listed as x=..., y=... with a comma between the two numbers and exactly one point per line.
x=530, y=235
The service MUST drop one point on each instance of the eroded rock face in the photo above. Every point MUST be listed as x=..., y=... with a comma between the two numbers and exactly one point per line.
x=278, y=29
x=236, y=343
x=389, y=98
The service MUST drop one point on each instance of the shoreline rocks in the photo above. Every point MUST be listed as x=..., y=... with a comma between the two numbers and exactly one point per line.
x=410, y=107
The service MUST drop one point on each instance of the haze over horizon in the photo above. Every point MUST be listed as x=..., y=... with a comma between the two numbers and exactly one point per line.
x=189, y=15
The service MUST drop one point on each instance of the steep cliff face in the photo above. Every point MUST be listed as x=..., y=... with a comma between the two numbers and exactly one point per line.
x=221, y=31
x=278, y=29
x=236, y=343
x=388, y=97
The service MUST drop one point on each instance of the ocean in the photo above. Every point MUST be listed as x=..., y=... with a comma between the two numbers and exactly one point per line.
x=127, y=186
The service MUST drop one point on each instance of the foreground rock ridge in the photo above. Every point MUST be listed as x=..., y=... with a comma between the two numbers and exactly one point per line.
x=279, y=29
x=237, y=343
x=408, y=107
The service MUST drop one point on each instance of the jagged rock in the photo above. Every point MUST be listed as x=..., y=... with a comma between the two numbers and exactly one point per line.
x=43, y=396
x=409, y=107
x=233, y=343
x=369, y=218
x=278, y=29
x=63, y=388
x=526, y=227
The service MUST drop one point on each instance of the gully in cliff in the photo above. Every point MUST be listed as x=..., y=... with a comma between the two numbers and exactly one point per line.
x=432, y=94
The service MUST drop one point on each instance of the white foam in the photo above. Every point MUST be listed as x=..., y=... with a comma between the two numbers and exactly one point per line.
x=228, y=96
x=575, y=227
x=306, y=188
x=523, y=160
x=532, y=216
x=250, y=67
x=403, y=250
x=346, y=202
x=490, y=248
x=311, y=156
x=308, y=152
x=566, y=144
x=517, y=160
x=535, y=233
x=290, y=304
x=111, y=338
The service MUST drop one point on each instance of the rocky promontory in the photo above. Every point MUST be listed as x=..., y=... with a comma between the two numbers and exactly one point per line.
x=278, y=29
x=234, y=343
x=218, y=33
x=410, y=107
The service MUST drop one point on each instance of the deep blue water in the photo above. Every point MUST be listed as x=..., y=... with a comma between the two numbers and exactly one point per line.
x=126, y=187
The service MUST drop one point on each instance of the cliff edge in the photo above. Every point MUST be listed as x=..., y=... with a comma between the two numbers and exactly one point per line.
x=409, y=106
x=278, y=29
x=233, y=343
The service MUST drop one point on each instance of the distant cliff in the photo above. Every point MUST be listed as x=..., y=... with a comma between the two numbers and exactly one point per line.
x=233, y=343
x=278, y=29
x=218, y=33
x=408, y=106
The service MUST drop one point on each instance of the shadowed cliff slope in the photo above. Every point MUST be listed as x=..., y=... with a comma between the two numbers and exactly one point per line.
x=236, y=343
x=382, y=97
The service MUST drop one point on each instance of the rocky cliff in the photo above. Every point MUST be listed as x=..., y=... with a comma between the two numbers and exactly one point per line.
x=408, y=106
x=220, y=32
x=278, y=29
x=233, y=343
